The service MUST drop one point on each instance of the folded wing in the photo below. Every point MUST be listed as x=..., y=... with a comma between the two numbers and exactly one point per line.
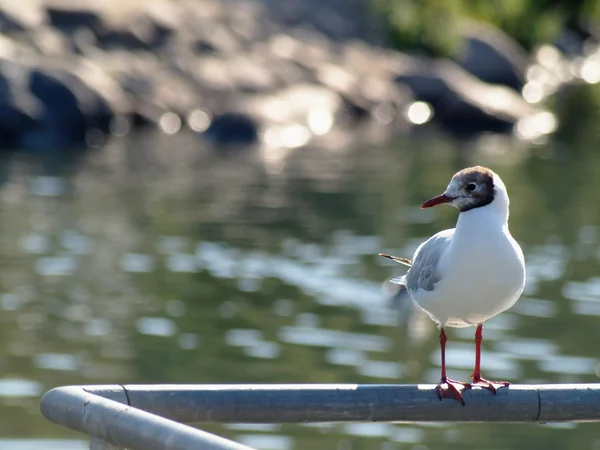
x=424, y=272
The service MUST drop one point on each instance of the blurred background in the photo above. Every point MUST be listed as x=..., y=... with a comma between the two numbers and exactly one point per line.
x=196, y=192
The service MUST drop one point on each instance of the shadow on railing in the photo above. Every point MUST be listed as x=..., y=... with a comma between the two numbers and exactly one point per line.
x=151, y=417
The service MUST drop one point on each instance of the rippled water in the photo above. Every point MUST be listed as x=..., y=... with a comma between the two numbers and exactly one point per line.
x=156, y=260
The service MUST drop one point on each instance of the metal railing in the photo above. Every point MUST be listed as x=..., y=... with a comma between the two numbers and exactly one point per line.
x=151, y=417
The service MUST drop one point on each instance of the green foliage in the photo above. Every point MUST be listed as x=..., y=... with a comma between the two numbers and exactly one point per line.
x=434, y=25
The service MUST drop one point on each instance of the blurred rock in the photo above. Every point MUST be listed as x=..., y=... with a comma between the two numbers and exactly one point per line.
x=71, y=108
x=493, y=56
x=233, y=129
x=336, y=19
x=461, y=102
x=235, y=72
x=19, y=17
x=69, y=16
x=19, y=110
x=140, y=35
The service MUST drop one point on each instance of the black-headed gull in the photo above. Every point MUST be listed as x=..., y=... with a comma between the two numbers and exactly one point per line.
x=464, y=276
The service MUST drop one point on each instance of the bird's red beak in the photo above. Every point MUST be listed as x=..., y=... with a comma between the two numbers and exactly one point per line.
x=439, y=200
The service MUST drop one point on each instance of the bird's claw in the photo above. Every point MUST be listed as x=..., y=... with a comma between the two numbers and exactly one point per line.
x=491, y=385
x=452, y=389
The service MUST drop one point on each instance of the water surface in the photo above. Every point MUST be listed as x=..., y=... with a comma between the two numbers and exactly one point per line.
x=158, y=260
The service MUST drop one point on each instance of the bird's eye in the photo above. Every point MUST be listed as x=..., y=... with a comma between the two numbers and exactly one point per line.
x=471, y=187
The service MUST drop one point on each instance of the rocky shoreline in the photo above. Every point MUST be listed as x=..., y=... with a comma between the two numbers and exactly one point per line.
x=237, y=72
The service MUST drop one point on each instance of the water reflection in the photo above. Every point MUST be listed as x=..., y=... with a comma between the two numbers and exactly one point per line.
x=148, y=265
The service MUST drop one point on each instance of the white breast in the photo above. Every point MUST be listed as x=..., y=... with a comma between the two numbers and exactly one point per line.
x=482, y=273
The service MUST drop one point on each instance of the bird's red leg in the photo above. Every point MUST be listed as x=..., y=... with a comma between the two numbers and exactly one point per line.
x=449, y=388
x=477, y=380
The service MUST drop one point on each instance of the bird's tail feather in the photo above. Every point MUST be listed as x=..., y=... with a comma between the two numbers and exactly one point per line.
x=399, y=280
x=405, y=261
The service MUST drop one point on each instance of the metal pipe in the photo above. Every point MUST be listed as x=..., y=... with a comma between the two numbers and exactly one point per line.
x=360, y=403
x=569, y=403
x=125, y=426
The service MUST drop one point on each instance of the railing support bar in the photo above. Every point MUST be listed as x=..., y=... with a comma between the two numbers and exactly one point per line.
x=125, y=426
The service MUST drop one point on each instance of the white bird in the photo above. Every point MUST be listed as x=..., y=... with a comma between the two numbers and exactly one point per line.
x=464, y=276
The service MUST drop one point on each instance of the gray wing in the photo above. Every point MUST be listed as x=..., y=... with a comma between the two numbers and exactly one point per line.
x=424, y=274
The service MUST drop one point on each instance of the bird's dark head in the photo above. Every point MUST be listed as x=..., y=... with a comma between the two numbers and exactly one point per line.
x=470, y=188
